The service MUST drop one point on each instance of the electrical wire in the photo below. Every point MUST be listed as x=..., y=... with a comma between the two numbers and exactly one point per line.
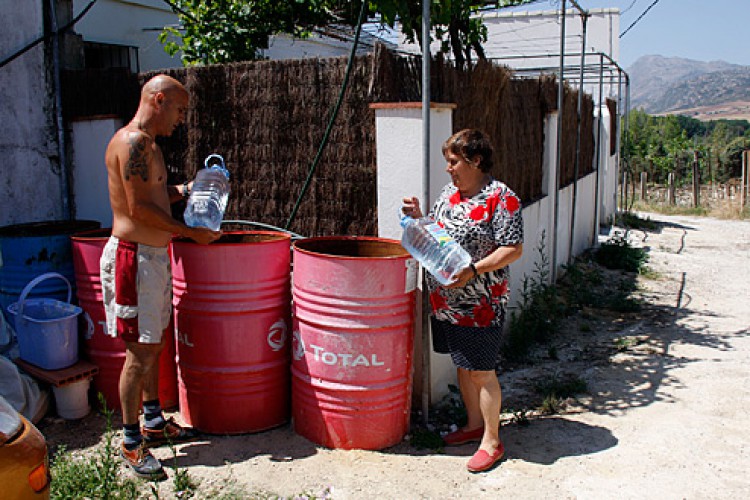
x=639, y=18
x=48, y=35
x=334, y=114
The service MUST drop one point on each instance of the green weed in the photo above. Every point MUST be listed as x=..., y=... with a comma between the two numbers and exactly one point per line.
x=617, y=253
x=632, y=221
x=579, y=285
x=422, y=438
x=539, y=313
x=564, y=387
x=184, y=486
x=520, y=417
x=625, y=343
x=550, y=405
x=650, y=273
x=97, y=476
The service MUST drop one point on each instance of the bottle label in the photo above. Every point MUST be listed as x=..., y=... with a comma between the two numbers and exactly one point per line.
x=412, y=272
x=440, y=234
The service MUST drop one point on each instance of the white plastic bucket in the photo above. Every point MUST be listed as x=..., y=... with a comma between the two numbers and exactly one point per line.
x=47, y=329
x=72, y=400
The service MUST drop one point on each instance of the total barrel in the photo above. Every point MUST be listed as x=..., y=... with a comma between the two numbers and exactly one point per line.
x=108, y=353
x=232, y=317
x=30, y=250
x=353, y=320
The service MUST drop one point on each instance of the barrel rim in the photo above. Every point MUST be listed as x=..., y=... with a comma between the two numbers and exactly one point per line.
x=279, y=236
x=404, y=255
x=92, y=234
x=47, y=228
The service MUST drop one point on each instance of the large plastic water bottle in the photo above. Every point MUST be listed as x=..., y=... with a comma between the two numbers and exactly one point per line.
x=434, y=248
x=209, y=196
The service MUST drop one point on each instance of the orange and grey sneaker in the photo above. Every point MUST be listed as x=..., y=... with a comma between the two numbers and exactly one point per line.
x=142, y=462
x=172, y=433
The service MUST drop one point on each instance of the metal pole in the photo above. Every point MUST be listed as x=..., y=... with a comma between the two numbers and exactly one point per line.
x=62, y=157
x=560, y=104
x=743, y=180
x=696, y=181
x=598, y=153
x=426, y=201
x=623, y=188
x=584, y=21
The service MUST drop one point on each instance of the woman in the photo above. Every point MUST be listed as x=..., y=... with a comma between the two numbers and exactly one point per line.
x=484, y=216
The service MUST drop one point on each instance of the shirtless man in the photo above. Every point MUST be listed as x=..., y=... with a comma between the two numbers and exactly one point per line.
x=135, y=267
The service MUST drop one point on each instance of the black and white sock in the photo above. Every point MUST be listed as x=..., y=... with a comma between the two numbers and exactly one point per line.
x=152, y=415
x=132, y=436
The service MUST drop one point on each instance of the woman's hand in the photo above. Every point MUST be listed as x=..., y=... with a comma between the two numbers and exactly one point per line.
x=411, y=208
x=461, y=278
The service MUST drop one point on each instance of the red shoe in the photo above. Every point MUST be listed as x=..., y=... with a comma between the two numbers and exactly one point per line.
x=482, y=461
x=172, y=433
x=142, y=463
x=461, y=436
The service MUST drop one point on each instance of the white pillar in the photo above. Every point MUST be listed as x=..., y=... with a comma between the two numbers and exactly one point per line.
x=90, y=189
x=398, y=130
x=398, y=135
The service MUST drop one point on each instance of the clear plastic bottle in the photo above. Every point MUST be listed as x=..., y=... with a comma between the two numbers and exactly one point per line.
x=209, y=196
x=434, y=248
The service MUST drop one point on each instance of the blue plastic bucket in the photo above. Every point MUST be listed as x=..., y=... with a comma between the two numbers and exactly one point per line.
x=47, y=329
x=29, y=250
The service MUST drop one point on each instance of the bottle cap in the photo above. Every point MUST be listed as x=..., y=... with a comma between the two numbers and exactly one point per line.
x=218, y=166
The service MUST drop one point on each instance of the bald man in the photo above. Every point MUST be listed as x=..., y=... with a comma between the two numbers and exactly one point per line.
x=135, y=267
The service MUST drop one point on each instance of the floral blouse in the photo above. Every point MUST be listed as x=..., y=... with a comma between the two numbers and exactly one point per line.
x=480, y=224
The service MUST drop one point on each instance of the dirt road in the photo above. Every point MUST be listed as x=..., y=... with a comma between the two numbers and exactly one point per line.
x=666, y=415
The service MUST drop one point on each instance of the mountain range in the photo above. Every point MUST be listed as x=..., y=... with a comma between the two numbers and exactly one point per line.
x=703, y=90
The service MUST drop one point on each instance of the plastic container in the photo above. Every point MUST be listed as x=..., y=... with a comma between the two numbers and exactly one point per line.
x=47, y=329
x=208, y=199
x=30, y=250
x=72, y=400
x=434, y=248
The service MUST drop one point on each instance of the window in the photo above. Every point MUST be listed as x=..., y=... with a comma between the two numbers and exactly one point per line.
x=106, y=55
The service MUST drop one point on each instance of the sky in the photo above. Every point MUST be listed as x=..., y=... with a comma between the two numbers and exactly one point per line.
x=703, y=30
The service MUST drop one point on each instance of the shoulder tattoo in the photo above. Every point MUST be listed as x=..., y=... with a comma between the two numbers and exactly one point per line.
x=137, y=164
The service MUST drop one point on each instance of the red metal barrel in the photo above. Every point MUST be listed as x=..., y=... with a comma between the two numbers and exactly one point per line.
x=354, y=304
x=232, y=315
x=108, y=353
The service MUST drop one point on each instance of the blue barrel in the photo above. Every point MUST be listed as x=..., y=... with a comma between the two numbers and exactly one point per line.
x=29, y=250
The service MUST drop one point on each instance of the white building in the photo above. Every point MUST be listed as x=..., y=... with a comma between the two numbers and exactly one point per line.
x=133, y=42
x=124, y=33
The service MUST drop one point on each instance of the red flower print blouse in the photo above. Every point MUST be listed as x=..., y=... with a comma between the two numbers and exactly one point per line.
x=480, y=224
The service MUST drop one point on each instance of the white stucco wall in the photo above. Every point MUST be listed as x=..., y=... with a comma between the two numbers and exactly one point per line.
x=129, y=22
x=609, y=172
x=30, y=189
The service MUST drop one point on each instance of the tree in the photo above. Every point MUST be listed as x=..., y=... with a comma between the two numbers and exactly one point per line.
x=663, y=144
x=216, y=31
x=219, y=31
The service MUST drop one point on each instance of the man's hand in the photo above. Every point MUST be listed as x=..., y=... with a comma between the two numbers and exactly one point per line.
x=203, y=235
